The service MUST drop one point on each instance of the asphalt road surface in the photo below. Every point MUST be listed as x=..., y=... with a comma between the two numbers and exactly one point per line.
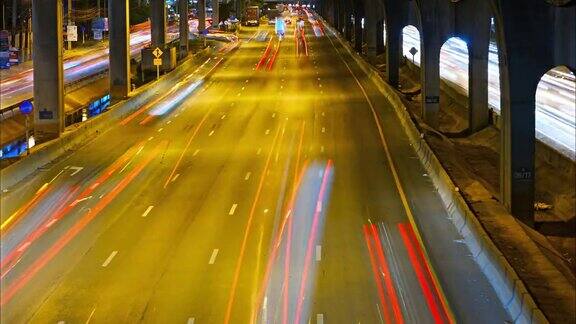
x=268, y=193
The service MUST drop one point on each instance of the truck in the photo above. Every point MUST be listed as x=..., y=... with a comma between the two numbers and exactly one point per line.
x=251, y=16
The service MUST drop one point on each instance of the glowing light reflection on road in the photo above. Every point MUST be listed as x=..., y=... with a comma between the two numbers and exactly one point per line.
x=307, y=220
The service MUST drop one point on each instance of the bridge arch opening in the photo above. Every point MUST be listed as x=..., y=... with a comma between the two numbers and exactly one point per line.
x=411, y=39
x=555, y=101
x=454, y=72
x=555, y=122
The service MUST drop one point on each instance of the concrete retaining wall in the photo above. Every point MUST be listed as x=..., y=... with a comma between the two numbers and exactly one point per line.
x=78, y=135
x=504, y=280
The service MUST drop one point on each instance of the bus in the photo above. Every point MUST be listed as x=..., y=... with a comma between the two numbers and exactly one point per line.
x=251, y=16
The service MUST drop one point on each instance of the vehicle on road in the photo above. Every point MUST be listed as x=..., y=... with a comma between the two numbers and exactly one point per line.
x=251, y=16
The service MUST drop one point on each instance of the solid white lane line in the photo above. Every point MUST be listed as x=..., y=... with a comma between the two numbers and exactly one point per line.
x=232, y=209
x=247, y=175
x=175, y=177
x=109, y=259
x=318, y=252
x=147, y=211
x=213, y=256
x=196, y=152
x=191, y=320
x=211, y=133
x=319, y=318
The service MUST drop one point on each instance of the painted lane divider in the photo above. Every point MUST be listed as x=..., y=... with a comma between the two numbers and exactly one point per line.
x=213, y=256
x=232, y=209
x=147, y=211
x=109, y=259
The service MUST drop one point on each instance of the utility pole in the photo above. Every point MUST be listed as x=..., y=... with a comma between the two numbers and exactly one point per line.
x=69, y=21
x=98, y=6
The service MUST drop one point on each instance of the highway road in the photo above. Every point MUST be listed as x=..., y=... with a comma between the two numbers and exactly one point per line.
x=555, y=96
x=280, y=189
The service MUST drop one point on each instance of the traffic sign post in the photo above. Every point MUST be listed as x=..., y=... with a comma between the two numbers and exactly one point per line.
x=26, y=109
x=157, y=61
x=413, y=51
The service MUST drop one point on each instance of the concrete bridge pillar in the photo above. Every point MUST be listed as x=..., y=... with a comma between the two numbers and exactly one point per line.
x=119, y=16
x=201, y=15
x=393, y=53
x=478, y=113
x=371, y=25
x=48, y=71
x=336, y=14
x=380, y=36
x=430, y=76
x=215, y=13
x=184, y=27
x=158, y=22
x=349, y=26
x=358, y=30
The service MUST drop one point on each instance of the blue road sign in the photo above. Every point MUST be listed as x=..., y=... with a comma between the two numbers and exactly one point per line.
x=26, y=107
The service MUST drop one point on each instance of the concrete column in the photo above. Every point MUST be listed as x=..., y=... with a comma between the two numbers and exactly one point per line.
x=430, y=80
x=184, y=27
x=371, y=30
x=48, y=72
x=518, y=149
x=215, y=13
x=380, y=36
x=358, y=31
x=334, y=15
x=119, y=24
x=201, y=15
x=478, y=85
x=393, y=54
x=158, y=22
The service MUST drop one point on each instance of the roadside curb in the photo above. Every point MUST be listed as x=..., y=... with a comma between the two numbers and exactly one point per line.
x=80, y=134
x=504, y=280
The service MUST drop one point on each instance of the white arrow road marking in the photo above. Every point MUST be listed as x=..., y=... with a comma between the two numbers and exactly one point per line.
x=77, y=169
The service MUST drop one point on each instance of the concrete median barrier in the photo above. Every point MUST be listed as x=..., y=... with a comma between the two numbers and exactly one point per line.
x=510, y=289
